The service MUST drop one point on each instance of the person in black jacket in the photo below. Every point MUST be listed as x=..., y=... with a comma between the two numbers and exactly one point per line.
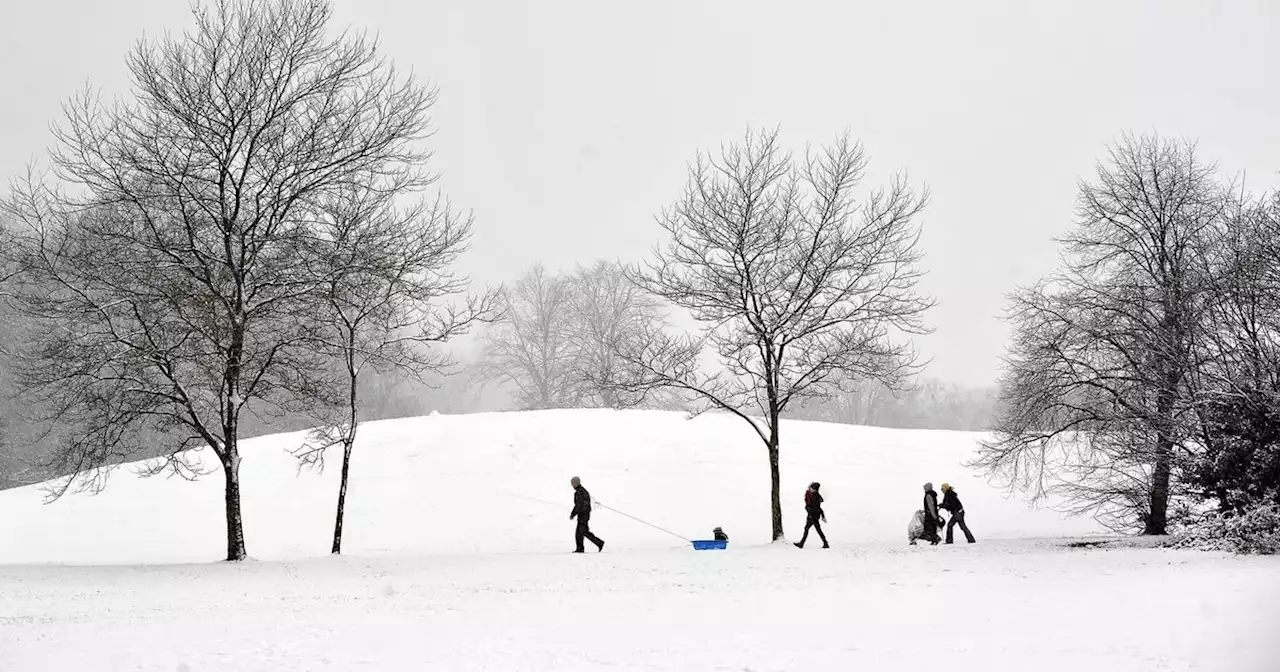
x=814, y=517
x=931, y=518
x=582, y=511
x=951, y=503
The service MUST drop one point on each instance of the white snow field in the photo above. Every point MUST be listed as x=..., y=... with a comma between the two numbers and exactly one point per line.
x=458, y=536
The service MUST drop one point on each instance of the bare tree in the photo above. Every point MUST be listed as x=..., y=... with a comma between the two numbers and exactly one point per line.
x=862, y=402
x=1096, y=398
x=171, y=252
x=532, y=346
x=608, y=309
x=386, y=274
x=801, y=285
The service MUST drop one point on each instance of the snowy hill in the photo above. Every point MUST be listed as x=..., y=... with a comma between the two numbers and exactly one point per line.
x=458, y=538
x=498, y=483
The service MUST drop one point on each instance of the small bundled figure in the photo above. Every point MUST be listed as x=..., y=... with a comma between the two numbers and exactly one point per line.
x=720, y=535
x=915, y=528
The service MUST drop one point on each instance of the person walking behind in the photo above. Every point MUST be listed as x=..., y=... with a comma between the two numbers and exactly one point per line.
x=951, y=503
x=931, y=517
x=582, y=511
x=814, y=515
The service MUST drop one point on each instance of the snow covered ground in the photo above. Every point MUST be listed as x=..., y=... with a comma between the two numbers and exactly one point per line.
x=991, y=607
x=458, y=530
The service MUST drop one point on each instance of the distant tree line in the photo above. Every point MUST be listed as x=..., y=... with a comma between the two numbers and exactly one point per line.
x=927, y=403
x=556, y=348
x=557, y=345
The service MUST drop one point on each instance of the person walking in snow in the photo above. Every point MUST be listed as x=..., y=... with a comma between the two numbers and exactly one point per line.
x=931, y=518
x=951, y=503
x=582, y=511
x=814, y=516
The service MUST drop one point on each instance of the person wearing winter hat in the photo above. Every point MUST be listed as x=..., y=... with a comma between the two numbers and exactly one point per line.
x=951, y=502
x=931, y=518
x=814, y=516
x=582, y=511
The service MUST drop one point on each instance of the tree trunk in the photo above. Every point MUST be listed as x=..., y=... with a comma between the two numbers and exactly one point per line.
x=1158, y=514
x=775, y=477
x=342, y=497
x=348, y=441
x=235, y=523
x=231, y=437
x=1158, y=517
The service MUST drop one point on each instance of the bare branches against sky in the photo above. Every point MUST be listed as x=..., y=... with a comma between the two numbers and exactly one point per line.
x=570, y=123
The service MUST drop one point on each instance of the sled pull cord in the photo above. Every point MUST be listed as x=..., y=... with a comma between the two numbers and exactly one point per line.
x=642, y=522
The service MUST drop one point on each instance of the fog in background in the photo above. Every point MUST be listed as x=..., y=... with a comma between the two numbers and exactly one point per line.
x=565, y=126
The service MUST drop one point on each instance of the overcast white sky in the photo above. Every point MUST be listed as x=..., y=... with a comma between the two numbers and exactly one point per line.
x=567, y=125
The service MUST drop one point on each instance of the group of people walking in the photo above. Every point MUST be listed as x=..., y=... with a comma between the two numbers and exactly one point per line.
x=924, y=525
x=929, y=518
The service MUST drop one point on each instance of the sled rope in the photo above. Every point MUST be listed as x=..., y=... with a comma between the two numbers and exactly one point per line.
x=598, y=504
x=642, y=522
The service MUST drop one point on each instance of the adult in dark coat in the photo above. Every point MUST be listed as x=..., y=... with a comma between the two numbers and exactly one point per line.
x=814, y=516
x=951, y=503
x=932, y=520
x=582, y=511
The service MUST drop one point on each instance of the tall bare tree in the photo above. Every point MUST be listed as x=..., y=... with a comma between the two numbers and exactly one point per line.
x=800, y=284
x=386, y=276
x=170, y=251
x=1096, y=400
x=532, y=347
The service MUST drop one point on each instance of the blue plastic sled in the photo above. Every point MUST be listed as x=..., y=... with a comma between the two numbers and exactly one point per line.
x=710, y=544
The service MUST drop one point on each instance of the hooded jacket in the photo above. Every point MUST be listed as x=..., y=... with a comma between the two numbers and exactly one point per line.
x=930, y=505
x=581, y=503
x=813, y=504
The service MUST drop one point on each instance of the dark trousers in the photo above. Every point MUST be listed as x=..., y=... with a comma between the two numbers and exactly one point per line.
x=931, y=529
x=958, y=519
x=815, y=524
x=584, y=532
